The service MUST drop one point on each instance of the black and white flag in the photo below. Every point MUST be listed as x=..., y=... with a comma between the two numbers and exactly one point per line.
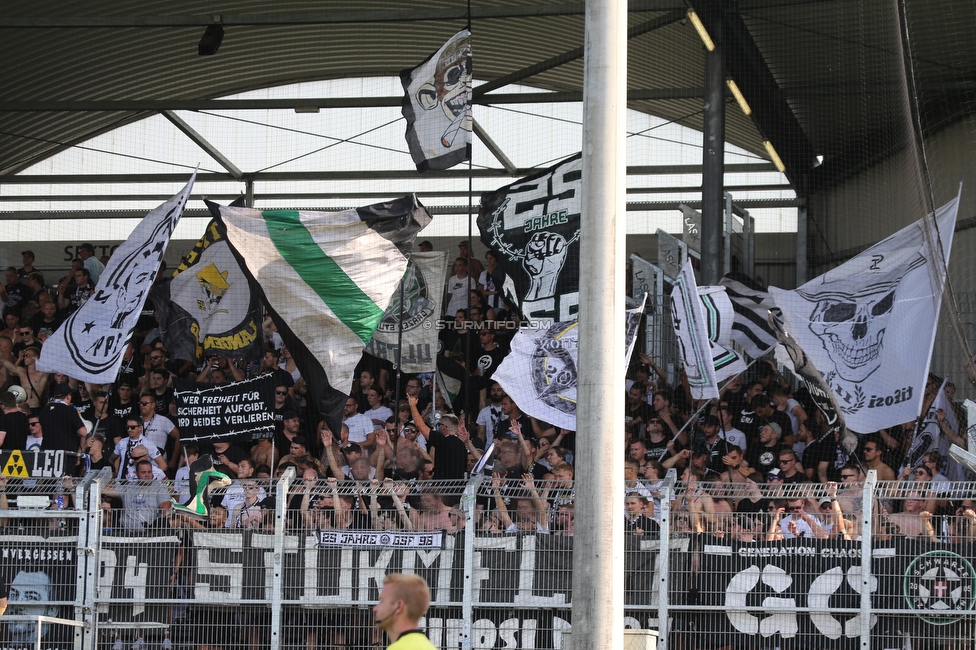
x=411, y=324
x=751, y=304
x=89, y=345
x=541, y=369
x=534, y=224
x=869, y=325
x=437, y=105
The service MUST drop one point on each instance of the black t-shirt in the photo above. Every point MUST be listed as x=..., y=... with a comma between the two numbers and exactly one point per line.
x=16, y=430
x=643, y=412
x=233, y=453
x=60, y=424
x=819, y=451
x=451, y=458
x=656, y=450
x=123, y=411
x=763, y=459
x=488, y=361
x=112, y=428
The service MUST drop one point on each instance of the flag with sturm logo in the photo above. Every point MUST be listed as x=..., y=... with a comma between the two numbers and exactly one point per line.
x=327, y=278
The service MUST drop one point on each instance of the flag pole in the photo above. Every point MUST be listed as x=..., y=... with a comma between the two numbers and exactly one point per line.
x=399, y=352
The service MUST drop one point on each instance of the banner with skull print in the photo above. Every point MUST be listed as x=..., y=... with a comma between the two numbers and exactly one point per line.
x=541, y=369
x=534, y=224
x=869, y=324
x=437, y=105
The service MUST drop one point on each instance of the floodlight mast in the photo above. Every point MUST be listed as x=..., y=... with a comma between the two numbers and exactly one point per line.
x=598, y=557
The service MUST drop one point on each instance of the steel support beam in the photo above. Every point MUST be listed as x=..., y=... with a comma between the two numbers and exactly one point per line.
x=203, y=143
x=159, y=105
x=713, y=162
x=208, y=177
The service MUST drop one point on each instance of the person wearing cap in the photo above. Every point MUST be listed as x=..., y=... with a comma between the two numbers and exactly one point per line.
x=458, y=286
x=62, y=426
x=28, y=257
x=291, y=424
x=764, y=456
x=715, y=446
x=425, y=246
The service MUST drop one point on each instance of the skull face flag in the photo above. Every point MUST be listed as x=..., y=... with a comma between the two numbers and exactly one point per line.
x=869, y=324
x=437, y=105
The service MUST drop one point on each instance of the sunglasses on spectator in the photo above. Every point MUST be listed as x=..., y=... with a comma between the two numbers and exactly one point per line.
x=33, y=424
x=281, y=392
x=846, y=476
x=921, y=473
x=786, y=461
x=796, y=508
x=130, y=427
x=146, y=403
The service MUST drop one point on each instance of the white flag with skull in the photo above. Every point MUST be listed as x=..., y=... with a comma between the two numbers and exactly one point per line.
x=869, y=324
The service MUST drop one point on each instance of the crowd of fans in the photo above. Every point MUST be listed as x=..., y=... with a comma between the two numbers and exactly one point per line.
x=759, y=459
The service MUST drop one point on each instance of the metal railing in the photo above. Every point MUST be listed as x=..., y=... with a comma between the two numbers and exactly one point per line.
x=708, y=565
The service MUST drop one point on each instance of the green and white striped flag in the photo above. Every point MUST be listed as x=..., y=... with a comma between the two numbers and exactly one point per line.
x=327, y=278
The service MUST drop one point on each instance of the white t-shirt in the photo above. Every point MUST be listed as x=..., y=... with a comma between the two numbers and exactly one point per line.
x=381, y=413
x=235, y=496
x=157, y=429
x=458, y=288
x=488, y=418
x=360, y=426
x=735, y=437
x=124, y=446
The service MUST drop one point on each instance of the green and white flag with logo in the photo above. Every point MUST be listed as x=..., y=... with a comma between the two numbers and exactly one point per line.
x=327, y=278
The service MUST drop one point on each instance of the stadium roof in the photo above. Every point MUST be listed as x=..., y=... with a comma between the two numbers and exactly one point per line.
x=819, y=75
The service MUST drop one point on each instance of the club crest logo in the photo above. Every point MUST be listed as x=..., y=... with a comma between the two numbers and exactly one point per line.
x=417, y=308
x=939, y=584
x=554, y=367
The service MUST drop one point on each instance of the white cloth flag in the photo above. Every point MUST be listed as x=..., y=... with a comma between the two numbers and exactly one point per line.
x=89, y=344
x=423, y=289
x=688, y=321
x=719, y=316
x=437, y=105
x=327, y=278
x=869, y=325
x=540, y=371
